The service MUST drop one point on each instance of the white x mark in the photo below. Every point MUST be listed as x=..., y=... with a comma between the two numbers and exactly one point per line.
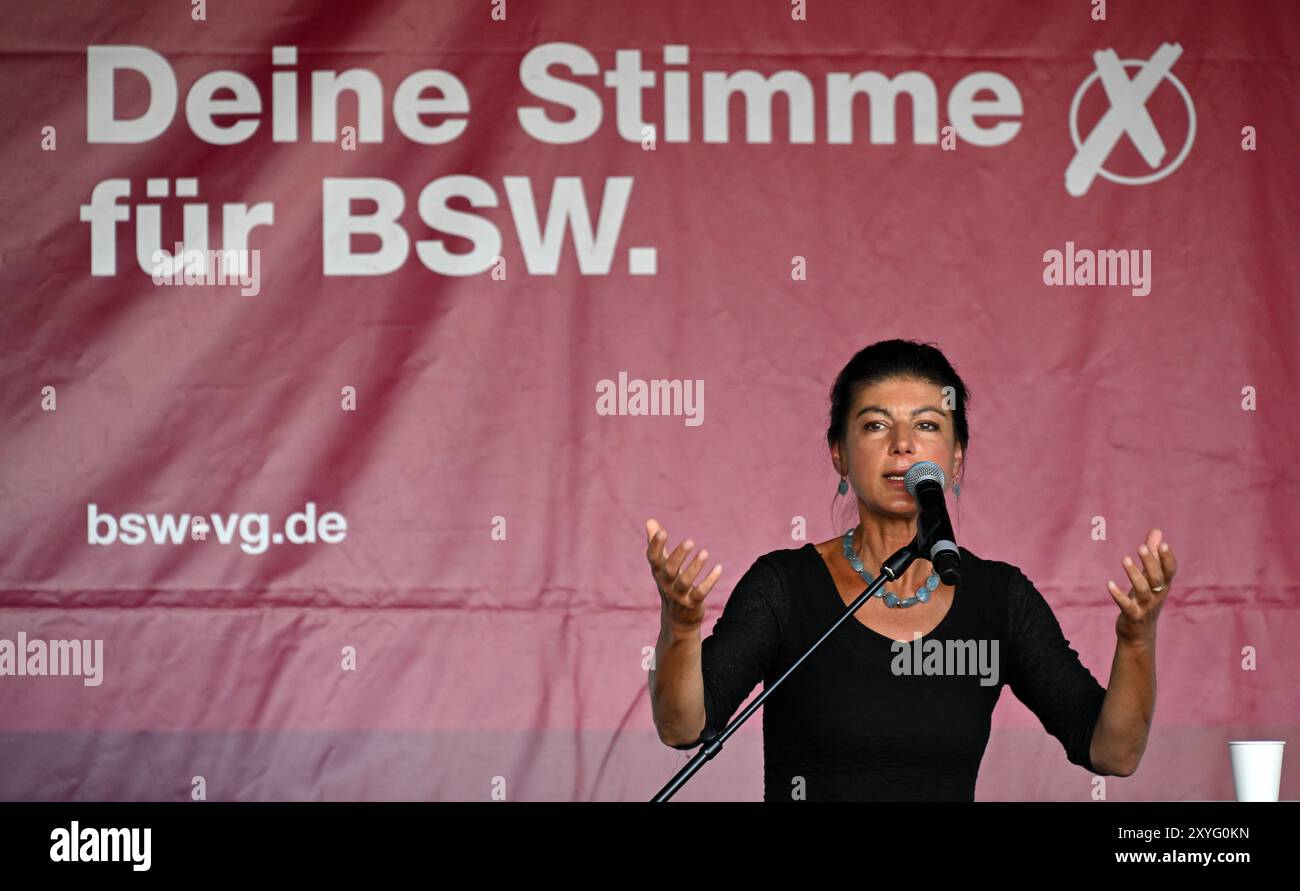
x=1127, y=115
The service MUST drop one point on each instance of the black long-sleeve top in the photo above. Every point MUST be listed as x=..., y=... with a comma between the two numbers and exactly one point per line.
x=847, y=725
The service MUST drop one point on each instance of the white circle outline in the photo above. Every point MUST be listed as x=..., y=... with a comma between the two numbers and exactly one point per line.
x=1151, y=177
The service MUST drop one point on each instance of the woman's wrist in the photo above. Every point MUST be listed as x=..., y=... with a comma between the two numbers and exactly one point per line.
x=671, y=632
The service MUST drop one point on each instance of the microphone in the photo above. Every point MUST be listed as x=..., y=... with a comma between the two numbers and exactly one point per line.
x=934, y=538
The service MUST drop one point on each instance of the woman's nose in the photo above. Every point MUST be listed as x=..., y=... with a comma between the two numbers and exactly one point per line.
x=902, y=443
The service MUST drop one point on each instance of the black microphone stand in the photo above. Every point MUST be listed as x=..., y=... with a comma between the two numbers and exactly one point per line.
x=892, y=569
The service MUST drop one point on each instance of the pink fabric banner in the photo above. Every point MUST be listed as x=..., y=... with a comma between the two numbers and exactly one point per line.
x=367, y=522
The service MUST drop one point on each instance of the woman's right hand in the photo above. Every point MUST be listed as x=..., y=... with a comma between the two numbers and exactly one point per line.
x=683, y=600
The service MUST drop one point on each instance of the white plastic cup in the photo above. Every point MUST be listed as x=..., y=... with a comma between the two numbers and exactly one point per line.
x=1257, y=768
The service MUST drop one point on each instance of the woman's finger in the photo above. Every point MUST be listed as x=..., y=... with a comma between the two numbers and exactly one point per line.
x=677, y=557
x=1167, y=561
x=686, y=577
x=1122, y=600
x=655, y=550
x=1151, y=566
x=700, y=591
x=1141, y=590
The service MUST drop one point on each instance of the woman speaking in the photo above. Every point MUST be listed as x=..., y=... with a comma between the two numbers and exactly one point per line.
x=866, y=718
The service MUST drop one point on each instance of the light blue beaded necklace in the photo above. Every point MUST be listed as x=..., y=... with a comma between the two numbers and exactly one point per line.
x=891, y=599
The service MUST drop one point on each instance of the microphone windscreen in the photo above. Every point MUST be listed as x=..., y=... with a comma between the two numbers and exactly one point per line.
x=922, y=470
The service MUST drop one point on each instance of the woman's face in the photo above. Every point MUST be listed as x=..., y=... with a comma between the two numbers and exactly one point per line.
x=891, y=426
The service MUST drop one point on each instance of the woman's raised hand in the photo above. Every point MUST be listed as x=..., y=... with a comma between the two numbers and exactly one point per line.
x=1140, y=607
x=683, y=600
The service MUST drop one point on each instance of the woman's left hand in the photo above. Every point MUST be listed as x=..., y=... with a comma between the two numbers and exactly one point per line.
x=1140, y=607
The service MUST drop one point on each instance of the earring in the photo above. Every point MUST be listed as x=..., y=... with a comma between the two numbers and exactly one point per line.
x=956, y=488
x=844, y=485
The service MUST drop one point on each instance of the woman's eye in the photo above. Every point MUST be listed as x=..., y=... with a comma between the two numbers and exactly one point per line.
x=871, y=424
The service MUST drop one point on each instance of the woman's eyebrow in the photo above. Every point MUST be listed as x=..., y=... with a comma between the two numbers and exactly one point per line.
x=886, y=413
